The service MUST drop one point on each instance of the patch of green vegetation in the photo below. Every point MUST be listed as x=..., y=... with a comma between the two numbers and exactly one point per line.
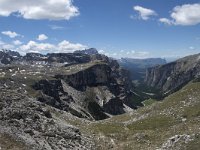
x=120, y=118
x=152, y=123
x=149, y=102
x=193, y=111
x=107, y=128
x=73, y=69
x=30, y=81
x=135, y=100
x=9, y=143
x=164, y=120
x=195, y=144
x=190, y=91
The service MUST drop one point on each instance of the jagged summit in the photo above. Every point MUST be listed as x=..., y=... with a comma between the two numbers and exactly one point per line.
x=9, y=57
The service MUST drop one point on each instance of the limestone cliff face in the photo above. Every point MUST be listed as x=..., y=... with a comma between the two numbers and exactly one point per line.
x=99, y=74
x=171, y=76
x=92, y=92
x=85, y=83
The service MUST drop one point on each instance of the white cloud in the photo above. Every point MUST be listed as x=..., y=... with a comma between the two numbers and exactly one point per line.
x=4, y=45
x=101, y=51
x=166, y=21
x=66, y=46
x=141, y=54
x=135, y=54
x=39, y=9
x=144, y=13
x=33, y=46
x=188, y=14
x=63, y=47
x=42, y=37
x=17, y=42
x=8, y=46
x=114, y=54
x=56, y=27
x=10, y=34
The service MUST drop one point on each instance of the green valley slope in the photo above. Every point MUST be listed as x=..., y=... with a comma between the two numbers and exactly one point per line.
x=173, y=123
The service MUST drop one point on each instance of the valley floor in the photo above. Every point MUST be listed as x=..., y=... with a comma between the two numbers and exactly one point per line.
x=171, y=124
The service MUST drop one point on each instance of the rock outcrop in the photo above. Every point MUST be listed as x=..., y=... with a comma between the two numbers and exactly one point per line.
x=170, y=77
x=88, y=86
x=29, y=124
x=7, y=56
x=91, y=91
x=90, y=51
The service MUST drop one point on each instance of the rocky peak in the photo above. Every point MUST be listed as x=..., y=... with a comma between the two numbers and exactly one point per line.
x=7, y=56
x=11, y=53
x=91, y=51
x=34, y=57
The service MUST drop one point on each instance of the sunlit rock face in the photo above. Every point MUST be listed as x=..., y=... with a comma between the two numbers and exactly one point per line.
x=172, y=76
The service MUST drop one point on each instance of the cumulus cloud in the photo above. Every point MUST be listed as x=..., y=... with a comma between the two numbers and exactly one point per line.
x=17, y=42
x=39, y=9
x=4, y=45
x=10, y=34
x=33, y=46
x=66, y=46
x=166, y=21
x=42, y=37
x=7, y=46
x=63, y=47
x=144, y=13
x=185, y=15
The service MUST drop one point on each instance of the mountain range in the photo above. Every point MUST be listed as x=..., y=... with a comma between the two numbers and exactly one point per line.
x=86, y=100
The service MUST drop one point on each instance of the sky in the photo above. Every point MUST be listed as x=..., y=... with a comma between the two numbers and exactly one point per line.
x=117, y=28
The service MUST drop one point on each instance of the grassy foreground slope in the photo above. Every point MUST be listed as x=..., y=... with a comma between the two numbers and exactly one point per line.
x=173, y=123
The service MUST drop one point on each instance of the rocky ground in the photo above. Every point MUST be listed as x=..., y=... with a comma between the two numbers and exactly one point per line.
x=29, y=124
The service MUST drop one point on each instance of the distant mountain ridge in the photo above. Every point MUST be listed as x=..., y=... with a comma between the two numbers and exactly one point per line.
x=90, y=51
x=53, y=102
x=170, y=77
x=9, y=57
x=138, y=67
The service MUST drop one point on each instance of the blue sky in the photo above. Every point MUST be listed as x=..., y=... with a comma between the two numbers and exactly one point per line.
x=118, y=28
